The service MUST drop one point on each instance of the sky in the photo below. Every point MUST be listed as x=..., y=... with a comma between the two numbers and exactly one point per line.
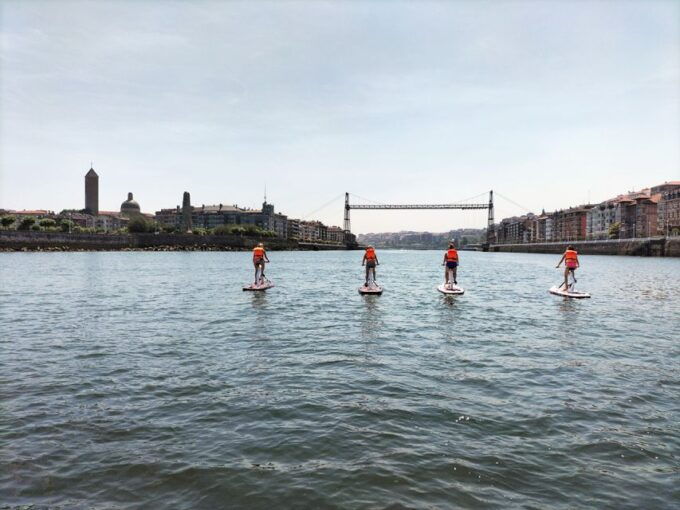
x=548, y=103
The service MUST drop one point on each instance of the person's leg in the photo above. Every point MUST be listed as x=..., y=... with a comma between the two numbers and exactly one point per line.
x=256, y=268
x=367, y=270
x=566, y=278
x=373, y=269
x=455, y=274
x=446, y=274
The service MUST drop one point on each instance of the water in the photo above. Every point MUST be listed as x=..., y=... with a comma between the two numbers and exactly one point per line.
x=150, y=380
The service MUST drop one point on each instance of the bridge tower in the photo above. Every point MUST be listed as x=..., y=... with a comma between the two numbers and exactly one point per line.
x=347, y=226
x=489, y=231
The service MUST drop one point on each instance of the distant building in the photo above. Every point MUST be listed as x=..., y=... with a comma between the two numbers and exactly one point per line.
x=35, y=213
x=336, y=234
x=211, y=216
x=92, y=192
x=310, y=231
x=601, y=217
x=665, y=187
x=668, y=208
x=668, y=213
x=130, y=207
x=293, y=229
x=108, y=220
x=574, y=222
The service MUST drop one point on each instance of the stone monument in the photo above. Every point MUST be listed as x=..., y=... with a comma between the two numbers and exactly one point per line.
x=186, y=212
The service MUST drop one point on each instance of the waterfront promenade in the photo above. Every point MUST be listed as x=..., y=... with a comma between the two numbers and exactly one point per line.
x=644, y=247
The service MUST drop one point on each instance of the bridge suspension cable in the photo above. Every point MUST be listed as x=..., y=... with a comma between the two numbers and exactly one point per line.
x=513, y=202
x=326, y=204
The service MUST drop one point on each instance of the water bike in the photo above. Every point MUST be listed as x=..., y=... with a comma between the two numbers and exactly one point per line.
x=371, y=288
x=450, y=288
x=570, y=291
x=262, y=282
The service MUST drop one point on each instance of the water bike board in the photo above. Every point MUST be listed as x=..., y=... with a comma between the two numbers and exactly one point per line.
x=451, y=289
x=259, y=286
x=373, y=288
x=559, y=291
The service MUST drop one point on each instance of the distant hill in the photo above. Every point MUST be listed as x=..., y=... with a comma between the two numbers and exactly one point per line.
x=423, y=240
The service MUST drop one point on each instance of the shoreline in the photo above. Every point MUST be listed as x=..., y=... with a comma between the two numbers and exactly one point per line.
x=642, y=247
x=19, y=241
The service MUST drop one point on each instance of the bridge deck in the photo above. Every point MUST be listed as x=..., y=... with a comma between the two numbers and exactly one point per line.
x=418, y=206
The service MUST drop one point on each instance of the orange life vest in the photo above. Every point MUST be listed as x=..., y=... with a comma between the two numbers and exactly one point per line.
x=452, y=255
x=570, y=255
x=258, y=252
x=370, y=254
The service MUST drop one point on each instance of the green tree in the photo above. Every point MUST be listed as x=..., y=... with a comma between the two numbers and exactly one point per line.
x=36, y=228
x=7, y=221
x=223, y=230
x=614, y=230
x=26, y=223
x=47, y=223
x=65, y=225
x=139, y=225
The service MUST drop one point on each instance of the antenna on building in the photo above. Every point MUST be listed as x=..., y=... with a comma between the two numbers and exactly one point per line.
x=265, y=192
x=91, y=164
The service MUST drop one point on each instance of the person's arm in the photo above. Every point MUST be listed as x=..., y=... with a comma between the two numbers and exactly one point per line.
x=444, y=261
x=376, y=261
x=363, y=261
x=265, y=257
x=560, y=262
x=578, y=264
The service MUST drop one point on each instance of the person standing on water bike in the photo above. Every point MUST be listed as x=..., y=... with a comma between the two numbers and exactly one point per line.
x=570, y=258
x=259, y=259
x=451, y=263
x=370, y=260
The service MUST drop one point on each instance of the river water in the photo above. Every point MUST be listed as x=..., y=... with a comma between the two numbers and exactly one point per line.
x=151, y=380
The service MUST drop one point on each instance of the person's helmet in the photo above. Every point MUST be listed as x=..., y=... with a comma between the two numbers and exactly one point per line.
x=261, y=245
x=570, y=247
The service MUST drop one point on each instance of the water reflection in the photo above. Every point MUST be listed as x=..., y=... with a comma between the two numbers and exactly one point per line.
x=449, y=300
x=371, y=319
x=258, y=299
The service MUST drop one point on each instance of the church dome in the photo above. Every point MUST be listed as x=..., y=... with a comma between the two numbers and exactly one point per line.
x=130, y=206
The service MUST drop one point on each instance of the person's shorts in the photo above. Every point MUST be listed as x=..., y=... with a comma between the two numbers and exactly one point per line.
x=258, y=261
x=451, y=264
x=571, y=267
x=370, y=264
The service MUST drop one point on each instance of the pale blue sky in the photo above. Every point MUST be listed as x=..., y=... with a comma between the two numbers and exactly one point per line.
x=546, y=102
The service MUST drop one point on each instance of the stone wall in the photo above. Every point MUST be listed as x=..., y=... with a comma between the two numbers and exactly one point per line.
x=648, y=247
x=29, y=241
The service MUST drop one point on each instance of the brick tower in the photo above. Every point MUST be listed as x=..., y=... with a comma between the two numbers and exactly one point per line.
x=92, y=192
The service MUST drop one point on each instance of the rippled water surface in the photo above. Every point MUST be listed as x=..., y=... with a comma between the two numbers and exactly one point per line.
x=151, y=380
